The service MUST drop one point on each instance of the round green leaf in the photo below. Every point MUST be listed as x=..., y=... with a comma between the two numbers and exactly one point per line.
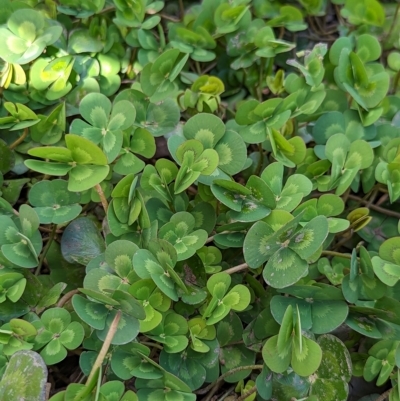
x=127, y=330
x=53, y=352
x=56, y=320
x=305, y=361
x=232, y=153
x=390, y=250
x=81, y=241
x=24, y=377
x=284, y=268
x=308, y=239
x=206, y=128
x=277, y=362
x=189, y=370
x=388, y=273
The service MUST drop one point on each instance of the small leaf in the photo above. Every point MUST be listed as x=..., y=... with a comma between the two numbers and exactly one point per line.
x=305, y=361
x=277, y=362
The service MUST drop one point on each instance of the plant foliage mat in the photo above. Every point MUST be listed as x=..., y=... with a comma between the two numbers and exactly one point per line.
x=199, y=200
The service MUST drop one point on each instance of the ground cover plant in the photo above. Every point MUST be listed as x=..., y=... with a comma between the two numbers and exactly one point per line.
x=199, y=200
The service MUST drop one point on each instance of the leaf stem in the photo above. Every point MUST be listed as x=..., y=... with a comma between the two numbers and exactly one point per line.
x=236, y=269
x=46, y=248
x=171, y=207
x=198, y=68
x=106, y=346
x=396, y=82
x=103, y=199
x=226, y=374
x=260, y=159
x=260, y=78
x=131, y=61
x=20, y=139
x=97, y=394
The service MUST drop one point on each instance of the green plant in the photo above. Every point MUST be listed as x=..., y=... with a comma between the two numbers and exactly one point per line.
x=199, y=199
x=24, y=377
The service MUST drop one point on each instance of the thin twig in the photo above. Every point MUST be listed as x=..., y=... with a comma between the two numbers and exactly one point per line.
x=245, y=395
x=209, y=67
x=46, y=248
x=339, y=15
x=376, y=208
x=345, y=196
x=389, y=34
x=396, y=82
x=346, y=237
x=210, y=239
x=132, y=59
x=316, y=38
x=169, y=18
x=48, y=389
x=20, y=139
x=226, y=374
x=192, y=190
x=339, y=254
x=181, y=9
x=234, y=343
x=318, y=22
x=314, y=27
x=223, y=396
x=55, y=370
x=105, y=347
x=106, y=10
x=372, y=197
x=209, y=396
x=197, y=67
x=150, y=344
x=237, y=268
x=260, y=159
x=260, y=78
x=382, y=199
x=49, y=230
x=384, y=395
x=103, y=199
x=63, y=300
